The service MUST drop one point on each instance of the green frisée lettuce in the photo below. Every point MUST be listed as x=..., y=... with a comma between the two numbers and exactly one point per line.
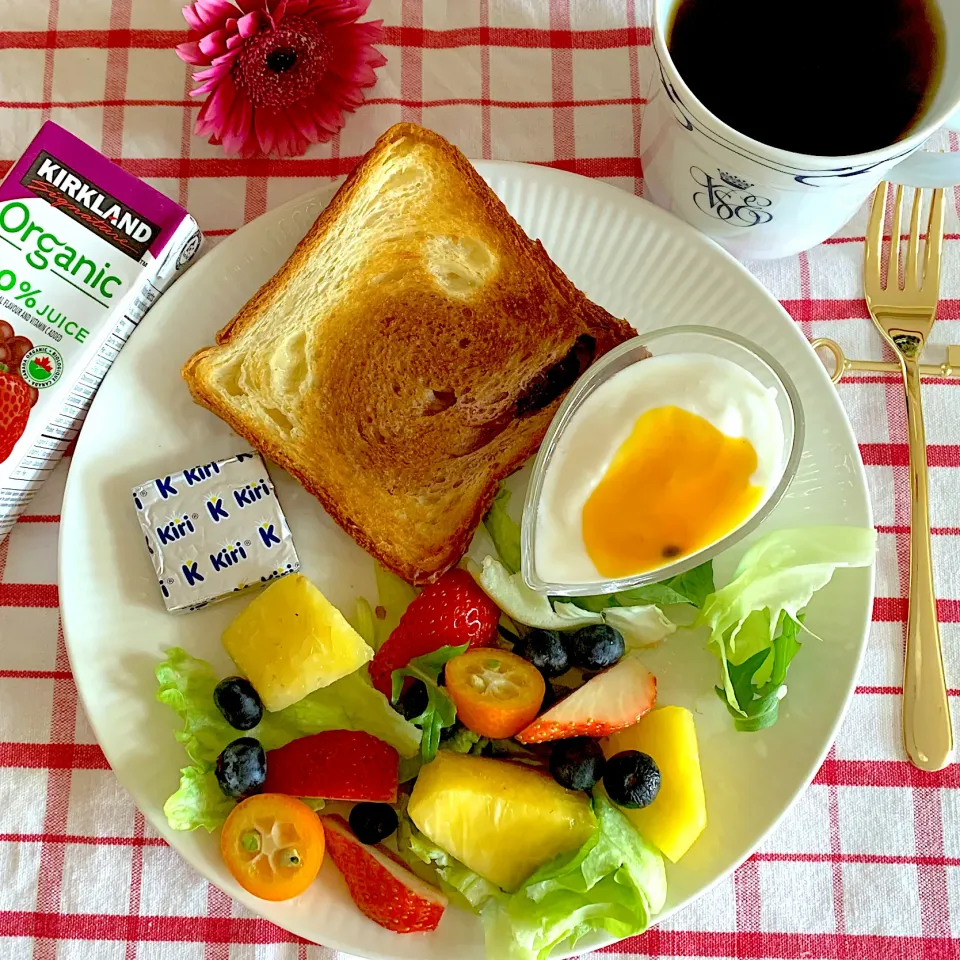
x=755, y=619
x=186, y=685
x=615, y=883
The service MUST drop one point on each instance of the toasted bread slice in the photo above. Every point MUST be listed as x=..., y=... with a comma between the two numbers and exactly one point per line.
x=408, y=356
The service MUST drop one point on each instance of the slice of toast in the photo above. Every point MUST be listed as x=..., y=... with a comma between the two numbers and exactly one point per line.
x=408, y=356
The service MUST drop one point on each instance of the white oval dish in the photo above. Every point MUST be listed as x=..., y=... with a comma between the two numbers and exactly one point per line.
x=637, y=261
x=760, y=372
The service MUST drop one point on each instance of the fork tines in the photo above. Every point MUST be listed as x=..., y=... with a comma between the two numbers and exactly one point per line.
x=913, y=277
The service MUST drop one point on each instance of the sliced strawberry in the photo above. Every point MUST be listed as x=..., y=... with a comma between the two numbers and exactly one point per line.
x=335, y=765
x=384, y=888
x=15, y=402
x=451, y=612
x=615, y=699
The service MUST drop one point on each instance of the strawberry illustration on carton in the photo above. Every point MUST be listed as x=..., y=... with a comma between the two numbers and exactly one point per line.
x=86, y=249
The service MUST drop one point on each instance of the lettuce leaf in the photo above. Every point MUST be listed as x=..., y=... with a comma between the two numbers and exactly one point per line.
x=393, y=597
x=753, y=621
x=186, y=685
x=692, y=587
x=758, y=681
x=521, y=603
x=642, y=626
x=504, y=530
x=198, y=802
x=364, y=623
x=456, y=880
x=615, y=883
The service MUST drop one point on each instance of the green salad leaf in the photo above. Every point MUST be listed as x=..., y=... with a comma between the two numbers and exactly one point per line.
x=754, y=620
x=364, y=623
x=759, y=699
x=642, y=626
x=198, y=802
x=615, y=882
x=186, y=685
x=439, y=711
x=393, y=597
x=524, y=605
x=504, y=530
x=692, y=587
x=456, y=880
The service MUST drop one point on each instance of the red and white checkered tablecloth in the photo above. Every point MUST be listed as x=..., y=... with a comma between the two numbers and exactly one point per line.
x=867, y=866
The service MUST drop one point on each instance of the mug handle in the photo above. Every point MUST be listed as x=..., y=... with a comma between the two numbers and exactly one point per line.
x=928, y=169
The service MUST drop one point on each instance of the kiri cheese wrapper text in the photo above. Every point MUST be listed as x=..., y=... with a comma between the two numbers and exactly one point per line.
x=85, y=251
x=214, y=530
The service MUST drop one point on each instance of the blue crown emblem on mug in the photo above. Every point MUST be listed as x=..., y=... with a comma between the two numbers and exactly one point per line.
x=732, y=180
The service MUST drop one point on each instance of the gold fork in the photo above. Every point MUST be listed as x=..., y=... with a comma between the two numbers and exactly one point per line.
x=904, y=316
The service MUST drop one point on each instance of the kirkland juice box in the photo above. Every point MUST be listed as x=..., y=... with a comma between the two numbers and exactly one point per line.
x=86, y=249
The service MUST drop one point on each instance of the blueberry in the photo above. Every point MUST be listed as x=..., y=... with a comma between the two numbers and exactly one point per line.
x=373, y=822
x=546, y=650
x=413, y=700
x=632, y=779
x=596, y=647
x=242, y=768
x=239, y=703
x=577, y=763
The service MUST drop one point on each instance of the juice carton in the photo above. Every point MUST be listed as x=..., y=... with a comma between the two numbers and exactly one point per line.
x=86, y=249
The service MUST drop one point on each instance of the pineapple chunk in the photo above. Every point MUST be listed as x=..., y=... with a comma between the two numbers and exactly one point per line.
x=678, y=814
x=291, y=640
x=503, y=820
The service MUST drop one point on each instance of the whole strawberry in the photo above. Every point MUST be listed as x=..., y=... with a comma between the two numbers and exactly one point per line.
x=451, y=612
x=16, y=399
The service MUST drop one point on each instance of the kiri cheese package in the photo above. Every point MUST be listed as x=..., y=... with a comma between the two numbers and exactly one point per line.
x=85, y=251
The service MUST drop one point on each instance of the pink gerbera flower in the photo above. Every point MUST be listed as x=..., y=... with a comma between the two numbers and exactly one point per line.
x=279, y=73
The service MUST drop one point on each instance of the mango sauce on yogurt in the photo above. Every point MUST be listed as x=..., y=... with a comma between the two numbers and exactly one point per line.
x=662, y=460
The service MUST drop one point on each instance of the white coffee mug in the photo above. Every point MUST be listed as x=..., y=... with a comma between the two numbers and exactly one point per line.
x=761, y=202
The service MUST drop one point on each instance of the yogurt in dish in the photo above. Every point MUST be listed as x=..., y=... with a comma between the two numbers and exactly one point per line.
x=665, y=458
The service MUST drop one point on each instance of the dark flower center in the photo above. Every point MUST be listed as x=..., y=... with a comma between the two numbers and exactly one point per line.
x=280, y=67
x=280, y=61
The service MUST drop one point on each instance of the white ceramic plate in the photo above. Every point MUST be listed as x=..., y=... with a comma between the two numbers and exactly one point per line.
x=639, y=263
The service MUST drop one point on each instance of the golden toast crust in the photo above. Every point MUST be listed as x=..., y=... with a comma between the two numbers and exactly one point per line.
x=409, y=467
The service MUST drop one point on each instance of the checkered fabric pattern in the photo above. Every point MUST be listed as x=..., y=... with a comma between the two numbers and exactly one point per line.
x=867, y=865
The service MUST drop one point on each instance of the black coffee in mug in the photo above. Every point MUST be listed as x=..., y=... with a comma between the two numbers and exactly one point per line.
x=822, y=77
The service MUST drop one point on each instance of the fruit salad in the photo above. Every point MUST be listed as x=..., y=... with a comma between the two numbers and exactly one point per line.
x=477, y=743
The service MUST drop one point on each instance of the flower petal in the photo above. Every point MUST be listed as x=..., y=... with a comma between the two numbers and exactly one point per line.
x=214, y=44
x=189, y=52
x=251, y=23
x=217, y=109
x=265, y=129
x=213, y=72
x=302, y=119
x=193, y=18
x=213, y=13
